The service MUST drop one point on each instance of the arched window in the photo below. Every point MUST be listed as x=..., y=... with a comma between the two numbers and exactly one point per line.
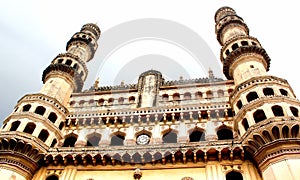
x=52, y=117
x=121, y=100
x=245, y=124
x=283, y=92
x=26, y=107
x=259, y=115
x=251, y=96
x=81, y=102
x=29, y=128
x=277, y=110
x=131, y=99
x=93, y=139
x=14, y=126
x=165, y=97
x=176, y=96
x=234, y=175
x=40, y=110
x=69, y=62
x=101, y=102
x=234, y=46
x=294, y=111
x=224, y=133
x=117, y=140
x=220, y=93
x=187, y=96
x=70, y=141
x=197, y=136
x=53, y=143
x=43, y=135
x=209, y=94
x=91, y=101
x=239, y=104
x=52, y=177
x=61, y=125
x=198, y=95
x=170, y=137
x=111, y=101
x=268, y=91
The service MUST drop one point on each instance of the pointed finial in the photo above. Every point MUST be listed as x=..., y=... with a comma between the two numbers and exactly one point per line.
x=96, y=84
x=210, y=73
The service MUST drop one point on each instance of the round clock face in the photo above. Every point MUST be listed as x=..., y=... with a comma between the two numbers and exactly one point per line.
x=143, y=139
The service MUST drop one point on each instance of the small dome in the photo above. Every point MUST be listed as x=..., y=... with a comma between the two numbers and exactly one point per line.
x=151, y=72
x=93, y=28
x=222, y=12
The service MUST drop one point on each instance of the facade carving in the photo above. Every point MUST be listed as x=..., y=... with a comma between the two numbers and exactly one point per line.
x=245, y=127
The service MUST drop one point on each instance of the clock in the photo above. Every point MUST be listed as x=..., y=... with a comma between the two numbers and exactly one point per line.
x=143, y=139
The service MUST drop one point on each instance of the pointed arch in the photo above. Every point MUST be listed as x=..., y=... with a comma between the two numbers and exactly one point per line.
x=196, y=135
x=93, y=139
x=234, y=175
x=169, y=136
x=224, y=132
x=70, y=140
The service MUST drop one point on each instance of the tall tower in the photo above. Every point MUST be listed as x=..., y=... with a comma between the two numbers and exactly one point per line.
x=266, y=108
x=38, y=119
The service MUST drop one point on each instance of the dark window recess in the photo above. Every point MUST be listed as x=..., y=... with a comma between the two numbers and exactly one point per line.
x=93, y=140
x=245, y=124
x=117, y=140
x=43, y=135
x=239, y=104
x=170, y=137
x=268, y=92
x=26, y=107
x=277, y=110
x=197, y=136
x=283, y=92
x=234, y=46
x=259, y=115
x=40, y=110
x=52, y=117
x=52, y=177
x=69, y=62
x=233, y=175
x=70, y=141
x=224, y=134
x=14, y=126
x=53, y=142
x=29, y=128
x=252, y=96
x=294, y=111
x=244, y=43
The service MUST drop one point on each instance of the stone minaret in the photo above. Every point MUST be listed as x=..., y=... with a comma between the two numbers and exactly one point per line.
x=38, y=119
x=266, y=108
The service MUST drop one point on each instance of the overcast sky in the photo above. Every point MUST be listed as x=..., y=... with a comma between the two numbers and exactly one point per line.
x=32, y=33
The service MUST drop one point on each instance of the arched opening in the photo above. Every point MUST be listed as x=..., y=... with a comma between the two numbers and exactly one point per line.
x=61, y=125
x=234, y=175
x=52, y=177
x=69, y=62
x=70, y=140
x=224, y=133
x=209, y=95
x=259, y=115
x=285, y=132
x=294, y=111
x=117, y=140
x=165, y=97
x=277, y=110
x=43, y=135
x=40, y=110
x=75, y=66
x=121, y=100
x=197, y=136
x=198, y=95
x=295, y=131
x=91, y=101
x=220, y=93
x=176, y=96
x=245, y=124
x=268, y=91
x=26, y=107
x=239, y=104
x=93, y=139
x=29, y=128
x=53, y=143
x=14, y=126
x=187, y=96
x=275, y=132
x=251, y=96
x=234, y=46
x=244, y=43
x=283, y=92
x=230, y=91
x=131, y=99
x=111, y=101
x=101, y=102
x=81, y=102
x=170, y=137
x=52, y=117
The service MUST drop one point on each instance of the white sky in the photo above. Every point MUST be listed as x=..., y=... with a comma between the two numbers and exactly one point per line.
x=32, y=33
